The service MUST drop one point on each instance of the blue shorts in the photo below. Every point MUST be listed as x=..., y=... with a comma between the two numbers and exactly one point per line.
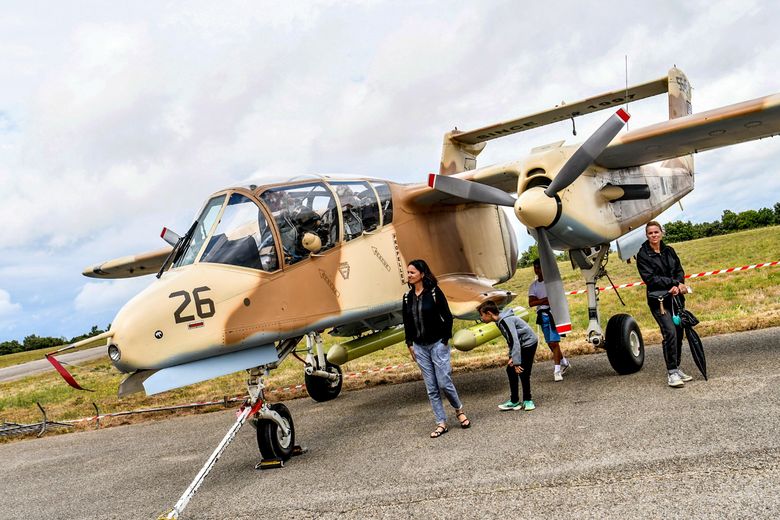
x=550, y=333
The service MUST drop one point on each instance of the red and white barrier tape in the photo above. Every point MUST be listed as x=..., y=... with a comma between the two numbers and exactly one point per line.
x=697, y=275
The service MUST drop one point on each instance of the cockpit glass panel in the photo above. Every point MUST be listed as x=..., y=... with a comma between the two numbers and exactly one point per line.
x=359, y=208
x=385, y=201
x=203, y=226
x=243, y=237
x=306, y=217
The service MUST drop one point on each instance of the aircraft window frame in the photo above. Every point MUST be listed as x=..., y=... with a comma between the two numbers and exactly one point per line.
x=245, y=243
x=199, y=233
x=295, y=212
x=354, y=206
x=385, y=204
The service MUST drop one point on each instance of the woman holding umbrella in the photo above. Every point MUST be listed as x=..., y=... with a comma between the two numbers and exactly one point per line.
x=661, y=270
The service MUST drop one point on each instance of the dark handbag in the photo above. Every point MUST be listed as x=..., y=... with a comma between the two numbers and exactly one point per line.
x=659, y=294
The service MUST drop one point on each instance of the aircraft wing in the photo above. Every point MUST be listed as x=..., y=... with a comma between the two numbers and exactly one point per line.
x=129, y=266
x=465, y=292
x=723, y=126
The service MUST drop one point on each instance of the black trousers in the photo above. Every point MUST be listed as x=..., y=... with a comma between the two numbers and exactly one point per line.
x=672, y=336
x=524, y=377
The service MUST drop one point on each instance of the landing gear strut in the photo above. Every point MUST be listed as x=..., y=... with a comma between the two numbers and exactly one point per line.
x=623, y=341
x=323, y=378
x=274, y=423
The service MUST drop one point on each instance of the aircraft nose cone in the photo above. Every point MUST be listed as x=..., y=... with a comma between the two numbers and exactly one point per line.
x=535, y=209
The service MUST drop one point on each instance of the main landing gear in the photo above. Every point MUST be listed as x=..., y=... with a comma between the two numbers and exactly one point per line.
x=323, y=379
x=623, y=339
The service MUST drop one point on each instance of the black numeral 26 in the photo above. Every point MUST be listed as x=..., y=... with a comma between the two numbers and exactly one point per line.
x=204, y=307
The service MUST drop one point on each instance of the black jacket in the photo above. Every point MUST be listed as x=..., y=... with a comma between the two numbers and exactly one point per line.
x=660, y=271
x=436, y=319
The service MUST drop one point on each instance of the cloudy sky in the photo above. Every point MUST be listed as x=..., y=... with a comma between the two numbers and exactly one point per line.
x=117, y=120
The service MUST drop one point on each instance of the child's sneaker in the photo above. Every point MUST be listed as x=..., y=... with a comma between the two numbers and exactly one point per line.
x=509, y=405
x=557, y=375
x=528, y=406
x=565, y=368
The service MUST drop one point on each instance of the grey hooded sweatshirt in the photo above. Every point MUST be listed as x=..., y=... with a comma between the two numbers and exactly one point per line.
x=517, y=333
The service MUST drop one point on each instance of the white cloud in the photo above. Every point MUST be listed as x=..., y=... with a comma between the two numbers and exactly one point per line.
x=95, y=297
x=7, y=307
x=9, y=311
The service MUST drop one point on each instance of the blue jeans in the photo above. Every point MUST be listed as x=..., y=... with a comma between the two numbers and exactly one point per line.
x=434, y=362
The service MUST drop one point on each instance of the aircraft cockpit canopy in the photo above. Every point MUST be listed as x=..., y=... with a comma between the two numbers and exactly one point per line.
x=312, y=217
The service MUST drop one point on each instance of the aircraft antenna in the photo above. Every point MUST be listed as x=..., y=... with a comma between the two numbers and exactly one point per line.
x=626, y=59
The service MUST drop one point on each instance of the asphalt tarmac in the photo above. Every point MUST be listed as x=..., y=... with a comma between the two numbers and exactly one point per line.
x=597, y=446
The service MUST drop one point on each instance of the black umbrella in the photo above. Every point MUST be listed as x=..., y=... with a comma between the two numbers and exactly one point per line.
x=687, y=322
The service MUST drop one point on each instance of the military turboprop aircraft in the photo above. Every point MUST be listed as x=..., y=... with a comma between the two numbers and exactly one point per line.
x=264, y=266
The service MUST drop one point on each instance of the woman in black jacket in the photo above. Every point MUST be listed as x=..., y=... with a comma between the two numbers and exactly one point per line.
x=661, y=270
x=428, y=328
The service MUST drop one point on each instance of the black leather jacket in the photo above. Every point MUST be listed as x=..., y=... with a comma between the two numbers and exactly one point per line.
x=433, y=323
x=660, y=272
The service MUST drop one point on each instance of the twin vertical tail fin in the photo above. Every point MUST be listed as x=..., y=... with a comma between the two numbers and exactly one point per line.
x=679, y=94
x=680, y=103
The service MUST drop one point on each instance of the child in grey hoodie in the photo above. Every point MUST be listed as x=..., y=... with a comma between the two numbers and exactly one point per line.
x=522, y=343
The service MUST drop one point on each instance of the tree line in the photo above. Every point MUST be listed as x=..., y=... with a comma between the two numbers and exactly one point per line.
x=730, y=222
x=33, y=342
x=679, y=231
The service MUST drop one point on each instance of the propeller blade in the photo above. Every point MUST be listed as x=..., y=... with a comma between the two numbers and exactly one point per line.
x=587, y=152
x=469, y=190
x=553, y=284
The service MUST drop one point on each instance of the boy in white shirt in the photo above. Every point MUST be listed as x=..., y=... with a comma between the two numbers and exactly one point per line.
x=537, y=297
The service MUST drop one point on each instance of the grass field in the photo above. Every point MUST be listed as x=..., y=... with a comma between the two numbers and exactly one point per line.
x=723, y=303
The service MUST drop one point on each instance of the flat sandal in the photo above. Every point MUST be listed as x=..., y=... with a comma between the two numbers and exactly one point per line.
x=439, y=431
x=465, y=423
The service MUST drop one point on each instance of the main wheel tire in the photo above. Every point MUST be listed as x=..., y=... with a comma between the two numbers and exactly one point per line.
x=625, y=348
x=321, y=389
x=269, y=436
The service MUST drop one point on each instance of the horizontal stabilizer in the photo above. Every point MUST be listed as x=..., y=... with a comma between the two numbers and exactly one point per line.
x=129, y=266
x=204, y=369
x=723, y=126
x=564, y=112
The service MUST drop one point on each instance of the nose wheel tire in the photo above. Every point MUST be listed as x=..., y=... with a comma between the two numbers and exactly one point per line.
x=321, y=389
x=272, y=444
x=625, y=348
